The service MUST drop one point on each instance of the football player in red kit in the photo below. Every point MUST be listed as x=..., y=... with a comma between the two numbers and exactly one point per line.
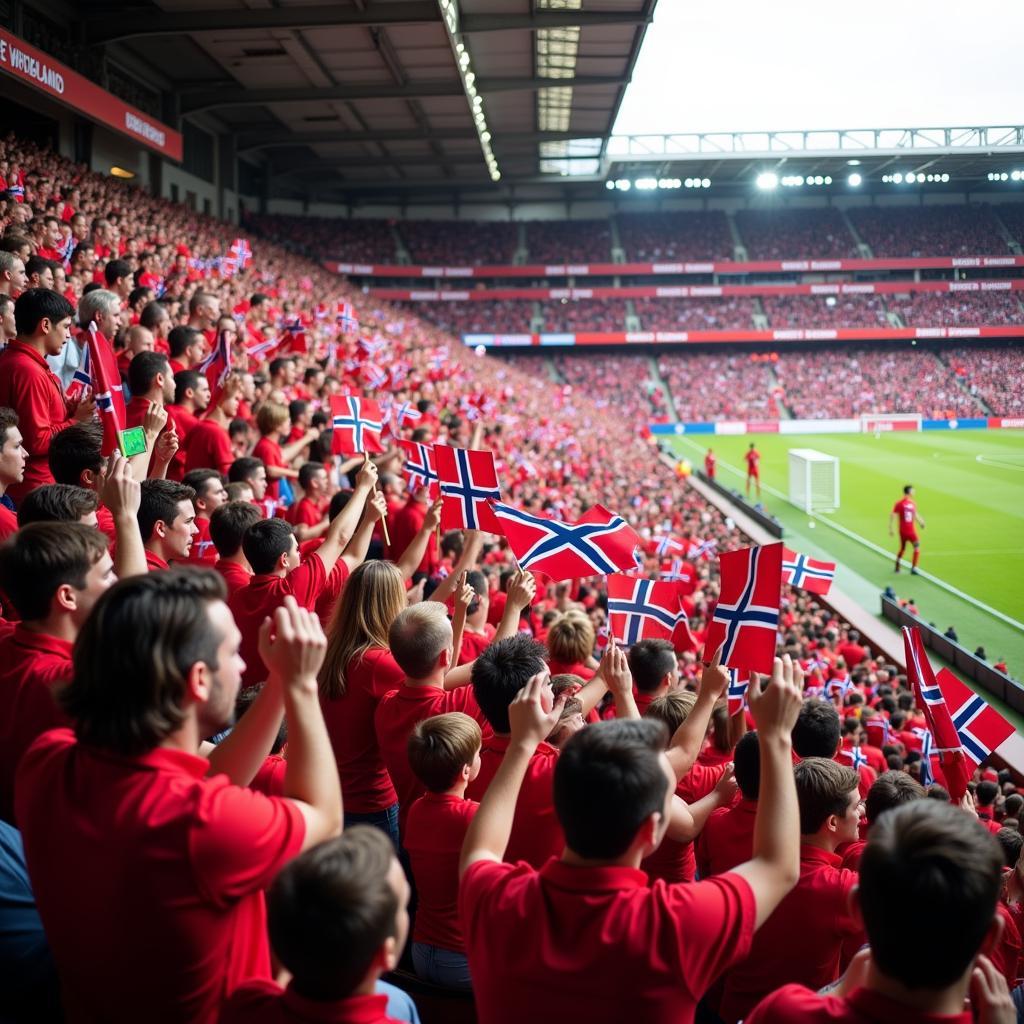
x=709, y=465
x=905, y=511
x=753, y=457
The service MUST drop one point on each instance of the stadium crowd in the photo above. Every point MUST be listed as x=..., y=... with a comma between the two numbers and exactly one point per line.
x=812, y=312
x=170, y=863
x=577, y=315
x=959, y=309
x=795, y=234
x=679, y=314
x=671, y=235
x=366, y=240
x=962, y=230
x=459, y=243
x=712, y=386
x=495, y=316
x=990, y=374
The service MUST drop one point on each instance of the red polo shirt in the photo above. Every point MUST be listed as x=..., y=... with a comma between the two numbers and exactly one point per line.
x=396, y=717
x=802, y=939
x=597, y=944
x=184, y=422
x=202, y=552
x=208, y=446
x=305, y=513
x=264, y=1002
x=474, y=644
x=365, y=784
x=262, y=597
x=235, y=575
x=170, y=918
x=794, y=1004
x=536, y=832
x=34, y=392
x=154, y=563
x=727, y=839
x=434, y=833
x=135, y=412
x=31, y=665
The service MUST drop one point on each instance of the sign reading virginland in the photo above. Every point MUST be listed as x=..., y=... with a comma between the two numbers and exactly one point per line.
x=51, y=78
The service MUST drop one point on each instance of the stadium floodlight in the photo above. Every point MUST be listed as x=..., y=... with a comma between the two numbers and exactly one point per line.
x=705, y=182
x=853, y=163
x=944, y=176
x=623, y=184
x=609, y=185
x=855, y=180
x=646, y=184
x=828, y=179
x=1015, y=175
x=767, y=180
x=897, y=178
x=911, y=178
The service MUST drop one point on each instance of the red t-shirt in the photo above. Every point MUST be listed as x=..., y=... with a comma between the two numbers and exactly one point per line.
x=794, y=1004
x=208, y=446
x=365, y=784
x=265, y=1002
x=574, y=668
x=397, y=716
x=154, y=563
x=474, y=644
x=906, y=509
x=407, y=523
x=597, y=944
x=184, y=422
x=8, y=522
x=202, y=552
x=434, y=832
x=33, y=391
x=262, y=597
x=753, y=458
x=801, y=941
x=31, y=664
x=267, y=449
x=149, y=877
x=305, y=513
x=727, y=839
x=235, y=575
x=536, y=832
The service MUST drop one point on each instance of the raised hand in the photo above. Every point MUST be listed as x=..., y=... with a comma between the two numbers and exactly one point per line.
x=615, y=670
x=166, y=446
x=522, y=589
x=991, y=1001
x=465, y=595
x=714, y=677
x=415, y=593
x=726, y=787
x=432, y=519
x=366, y=478
x=154, y=420
x=528, y=720
x=292, y=644
x=376, y=507
x=121, y=492
x=85, y=409
x=776, y=708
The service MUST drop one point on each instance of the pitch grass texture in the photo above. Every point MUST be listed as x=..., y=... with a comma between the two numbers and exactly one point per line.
x=969, y=488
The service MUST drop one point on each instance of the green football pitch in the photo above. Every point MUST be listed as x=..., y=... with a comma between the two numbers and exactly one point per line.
x=969, y=488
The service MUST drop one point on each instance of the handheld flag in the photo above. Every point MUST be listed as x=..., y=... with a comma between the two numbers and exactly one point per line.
x=736, y=693
x=217, y=367
x=980, y=728
x=641, y=609
x=681, y=572
x=81, y=380
x=468, y=480
x=346, y=317
x=106, y=386
x=241, y=253
x=357, y=425
x=855, y=756
x=746, y=618
x=295, y=333
x=599, y=542
x=807, y=573
x=418, y=467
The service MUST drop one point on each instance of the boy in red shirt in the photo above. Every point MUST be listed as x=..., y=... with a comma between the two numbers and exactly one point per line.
x=818, y=734
x=444, y=754
x=12, y=466
x=227, y=527
x=208, y=445
x=338, y=918
x=637, y=952
x=127, y=798
x=905, y=511
x=927, y=863
x=167, y=522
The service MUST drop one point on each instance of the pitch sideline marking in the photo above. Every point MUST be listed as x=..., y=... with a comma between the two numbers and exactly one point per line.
x=878, y=549
x=995, y=462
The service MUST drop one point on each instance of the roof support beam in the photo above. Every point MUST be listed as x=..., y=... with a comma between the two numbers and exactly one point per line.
x=235, y=96
x=105, y=28
x=249, y=142
x=551, y=19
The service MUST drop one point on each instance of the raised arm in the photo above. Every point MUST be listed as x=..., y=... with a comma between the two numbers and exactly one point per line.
x=489, y=831
x=472, y=542
x=373, y=511
x=344, y=524
x=413, y=554
x=153, y=422
x=616, y=674
x=290, y=451
x=775, y=866
x=122, y=494
x=689, y=737
x=522, y=589
x=685, y=827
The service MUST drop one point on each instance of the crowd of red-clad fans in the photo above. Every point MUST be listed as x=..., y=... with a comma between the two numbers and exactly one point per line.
x=796, y=234
x=678, y=314
x=496, y=316
x=577, y=315
x=459, y=243
x=366, y=240
x=991, y=374
x=577, y=241
x=251, y=702
x=961, y=230
x=959, y=309
x=672, y=235
x=621, y=385
x=812, y=312
x=714, y=386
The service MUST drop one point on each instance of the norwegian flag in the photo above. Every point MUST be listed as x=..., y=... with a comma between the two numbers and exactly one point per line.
x=438, y=359
x=106, y=386
x=639, y=609
x=855, y=756
x=702, y=549
x=418, y=467
x=925, y=736
x=736, y=692
x=818, y=664
x=929, y=694
x=682, y=572
x=807, y=573
x=598, y=542
x=375, y=376
x=403, y=412
x=295, y=333
x=241, y=253
x=81, y=380
x=372, y=346
x=877, y=728
x=65, y=248
x=262, y=348
x=840, y=685
x=468, y=481
x=981, y=729
x=746, y=618
x=664, y=545
x=346, y=317
x=357, y=425
x=216, y=367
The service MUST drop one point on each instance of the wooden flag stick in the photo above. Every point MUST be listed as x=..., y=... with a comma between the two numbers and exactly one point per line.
x=384, y=518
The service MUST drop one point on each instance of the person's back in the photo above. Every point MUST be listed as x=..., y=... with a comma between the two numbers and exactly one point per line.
x=930, y=864
x=727, y=838
x=802, y=941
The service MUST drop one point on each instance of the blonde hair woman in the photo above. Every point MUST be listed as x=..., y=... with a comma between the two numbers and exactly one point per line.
x=357, y=671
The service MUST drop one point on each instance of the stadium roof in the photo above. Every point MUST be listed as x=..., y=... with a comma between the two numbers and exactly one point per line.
x=392, y=98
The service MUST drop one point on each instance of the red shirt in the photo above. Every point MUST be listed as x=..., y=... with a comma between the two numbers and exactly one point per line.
x=31, y=664
x=262, y=597
x=8, y=522
x=406, y=524
x=575, y=668
x=397, y=715
x=154, y=563
x=906, y=509
x=365, y=784
x=33, y=391
x=753, y=458
x=802, y=939
x=536, y=832
x=267, y=449
x=727, y=839
x=596, y=944
x=305, y=513
x=673, y=861
x=434, y=833
x=149, y=877
x=474, y=644
x=208, y=446
x=235, y=575
x=202, y=551
x=264, y=1002
x=184, y=422
x=794, y=1004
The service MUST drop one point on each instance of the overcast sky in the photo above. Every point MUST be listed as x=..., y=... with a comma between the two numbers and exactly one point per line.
x=752, y=65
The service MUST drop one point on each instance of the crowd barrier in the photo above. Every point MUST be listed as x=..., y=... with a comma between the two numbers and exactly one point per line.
x=862, y=425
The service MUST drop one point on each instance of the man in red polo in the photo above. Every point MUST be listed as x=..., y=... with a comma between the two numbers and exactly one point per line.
x=165, y=854
x=272, y=551
x=637, y=952
x=227, y=528
x=191, y=398
x=31, y=389
x=208, y=445
x=307, y=514
x=150, y=381
x=167, y=522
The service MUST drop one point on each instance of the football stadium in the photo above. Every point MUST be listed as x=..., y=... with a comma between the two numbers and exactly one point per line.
x=511, y=510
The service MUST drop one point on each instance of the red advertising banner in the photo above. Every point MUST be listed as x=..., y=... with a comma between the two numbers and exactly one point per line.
x=698, y=291
x=49, y=77
x=553, y=339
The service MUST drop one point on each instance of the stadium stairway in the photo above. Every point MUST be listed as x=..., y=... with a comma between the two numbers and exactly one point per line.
x=739, y=248
x=862, y=246
x=618, y=252
x=401, y=252
x=1011, y=242
x=977, y=399
x=552, y=371
x=784, y=411
x=759, y=317
x=521, y=254
x=660, y=385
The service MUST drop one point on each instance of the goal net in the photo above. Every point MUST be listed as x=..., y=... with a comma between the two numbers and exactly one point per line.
x=813, y=480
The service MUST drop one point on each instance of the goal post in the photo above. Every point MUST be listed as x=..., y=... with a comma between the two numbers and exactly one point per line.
x=813, y=480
